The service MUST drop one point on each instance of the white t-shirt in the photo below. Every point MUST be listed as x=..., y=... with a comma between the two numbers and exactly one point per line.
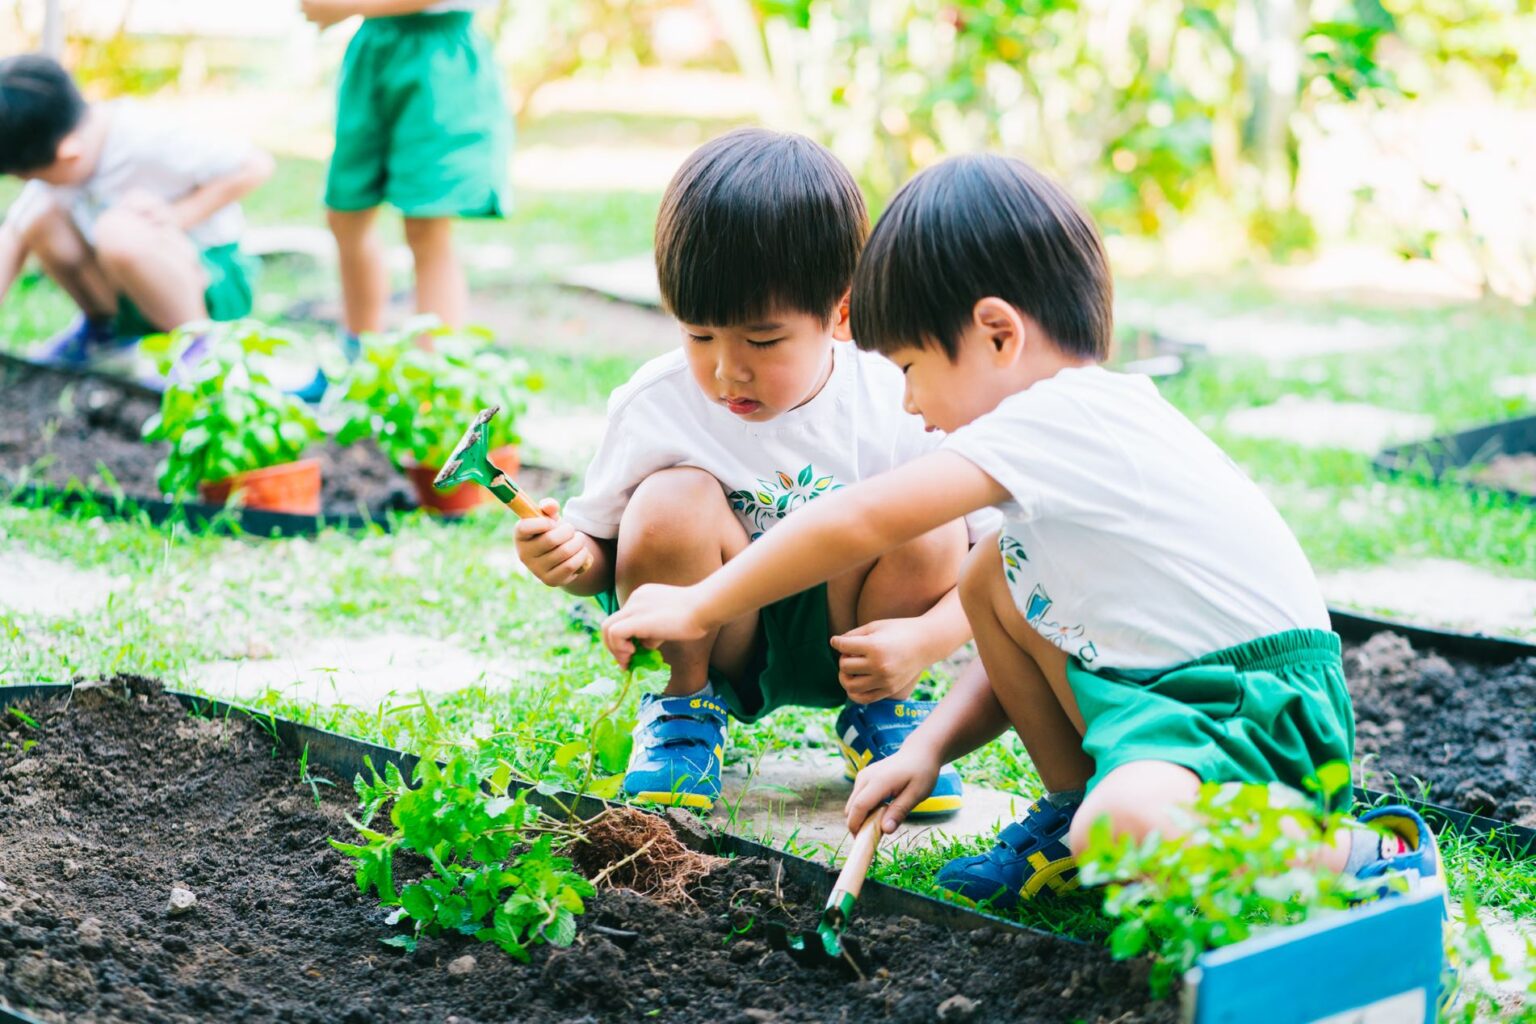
x=451, y=6
x=144, y=151
x=853, y=429
x=1132, y=540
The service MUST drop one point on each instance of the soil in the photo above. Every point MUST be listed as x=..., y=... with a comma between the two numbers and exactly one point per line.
x=1508, y=473
x=125, y=798
x=58, y=428
x=1469, y=730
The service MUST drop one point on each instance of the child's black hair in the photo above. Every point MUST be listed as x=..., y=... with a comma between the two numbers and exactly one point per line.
x=757, y=222
x=39, y=105
x=979, y=226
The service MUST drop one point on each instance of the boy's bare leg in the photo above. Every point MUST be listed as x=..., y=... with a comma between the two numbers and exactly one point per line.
x=67, y=258
x=678, y=528
x=904, y=583
x=1028, y=673
x=440, y=285
x=155, y=264
x=364, y=273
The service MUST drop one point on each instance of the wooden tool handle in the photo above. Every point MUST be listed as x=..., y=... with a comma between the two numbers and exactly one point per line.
x=525, y=509
x=851, y=878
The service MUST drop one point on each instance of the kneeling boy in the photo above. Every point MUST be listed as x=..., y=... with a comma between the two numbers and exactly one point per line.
x=763, y=410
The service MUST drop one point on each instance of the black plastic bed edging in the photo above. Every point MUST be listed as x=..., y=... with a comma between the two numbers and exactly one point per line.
x=1358, y=627
x=194, y=514
x=1439, y=457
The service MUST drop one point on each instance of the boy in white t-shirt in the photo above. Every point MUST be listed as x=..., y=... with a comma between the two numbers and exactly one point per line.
x=134, y=216
x=763, y=411
x=1146, y=620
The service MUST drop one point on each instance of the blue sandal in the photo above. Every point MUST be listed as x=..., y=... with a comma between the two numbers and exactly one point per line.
x=679, y=744
x=1031, y=857
x=867, y=733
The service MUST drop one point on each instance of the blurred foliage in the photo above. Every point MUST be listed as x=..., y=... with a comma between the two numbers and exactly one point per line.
x=1145, y=107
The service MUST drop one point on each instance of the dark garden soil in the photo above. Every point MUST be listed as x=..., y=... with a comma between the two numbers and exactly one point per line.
x=1469, y=730
x=124, y=796
x=60, y=429
x=1508, y=473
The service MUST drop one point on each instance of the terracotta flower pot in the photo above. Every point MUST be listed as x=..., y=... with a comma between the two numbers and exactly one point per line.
x=464, y=497
x=291, y=487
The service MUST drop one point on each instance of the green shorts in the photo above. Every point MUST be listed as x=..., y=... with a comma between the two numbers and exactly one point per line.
x=793, y=664
x=1271, y=710
x=421, y=121
x=228, y=295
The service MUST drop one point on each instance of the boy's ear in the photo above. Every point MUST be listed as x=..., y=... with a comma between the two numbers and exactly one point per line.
x=842, y=323
x=70, y=148
x=1001, y=326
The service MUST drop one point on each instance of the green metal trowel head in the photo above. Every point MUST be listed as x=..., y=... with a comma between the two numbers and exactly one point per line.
x=470, y=459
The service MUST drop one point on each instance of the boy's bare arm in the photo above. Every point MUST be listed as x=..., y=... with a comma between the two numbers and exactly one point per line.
x=13, y=254
x=202, y=203
x=830, y=536
x=555, y=552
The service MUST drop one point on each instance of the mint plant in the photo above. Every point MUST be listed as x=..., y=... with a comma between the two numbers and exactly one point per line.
x=1244, y=865
x=494, y=873
x=415, y=404
x=222, y=415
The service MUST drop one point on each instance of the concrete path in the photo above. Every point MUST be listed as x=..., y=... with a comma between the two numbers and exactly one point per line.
x=31, y=585
x=1316, y=423
x=798, y=797
x=1439, y=592
x=360, y=671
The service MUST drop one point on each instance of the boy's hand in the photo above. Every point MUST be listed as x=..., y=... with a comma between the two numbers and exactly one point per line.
x=551, y=548
x=879, y=660
x=326, y=13
x=904, y=778
x=653, y=615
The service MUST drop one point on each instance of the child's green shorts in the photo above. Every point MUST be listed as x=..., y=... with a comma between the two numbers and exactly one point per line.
x=1271, y=710
x=421, y=121
x=228, y=295
x=794, y=664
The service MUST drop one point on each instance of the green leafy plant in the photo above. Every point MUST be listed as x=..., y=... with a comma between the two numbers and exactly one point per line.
x=1245, y=864
x=416, y=403
x=221, y=414
x=494, y=873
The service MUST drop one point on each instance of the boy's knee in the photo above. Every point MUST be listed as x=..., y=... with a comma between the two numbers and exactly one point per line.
x=47, y=219
x=421, y=231
x=982, y=569
x=672, y=511
x=1136, y=799
x=122, y=237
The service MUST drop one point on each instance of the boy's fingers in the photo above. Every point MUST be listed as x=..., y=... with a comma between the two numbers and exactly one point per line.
x=527, y=529
x=850, y=643
x=572, y=564
x=550, y=507
x=904, y=801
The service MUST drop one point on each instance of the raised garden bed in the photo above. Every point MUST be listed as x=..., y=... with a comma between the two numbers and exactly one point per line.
x=58, y=429
x=123, y=795
x=1499, y=458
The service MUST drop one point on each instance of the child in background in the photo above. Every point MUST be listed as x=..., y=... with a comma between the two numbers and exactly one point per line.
x=763, y=412
x=1146, y=619
x=421, y=124
x=135, y=217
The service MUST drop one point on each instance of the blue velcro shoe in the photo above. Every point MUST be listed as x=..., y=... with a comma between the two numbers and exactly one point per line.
x=867, y=733
x=1421, y=861
x=1031, y=857
x=679, y=744
x=82, y=342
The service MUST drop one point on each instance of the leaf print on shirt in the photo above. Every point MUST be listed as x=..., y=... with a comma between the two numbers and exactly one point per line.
x=1013, y=556
x=778, y=496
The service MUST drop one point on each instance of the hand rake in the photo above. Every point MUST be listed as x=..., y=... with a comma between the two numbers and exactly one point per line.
x=471, y=461
x=827, y=945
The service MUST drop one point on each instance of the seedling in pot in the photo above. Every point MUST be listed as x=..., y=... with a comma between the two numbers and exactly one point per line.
x=222, y=415
x=414, y=403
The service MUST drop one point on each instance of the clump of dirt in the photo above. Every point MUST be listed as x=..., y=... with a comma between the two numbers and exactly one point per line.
x=62, y=429
x=628, y=849
x=1468, y=730
x=124, y=799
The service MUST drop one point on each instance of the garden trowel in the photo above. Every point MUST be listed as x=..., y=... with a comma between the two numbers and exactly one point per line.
x=826, y=945
x=471, y=461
